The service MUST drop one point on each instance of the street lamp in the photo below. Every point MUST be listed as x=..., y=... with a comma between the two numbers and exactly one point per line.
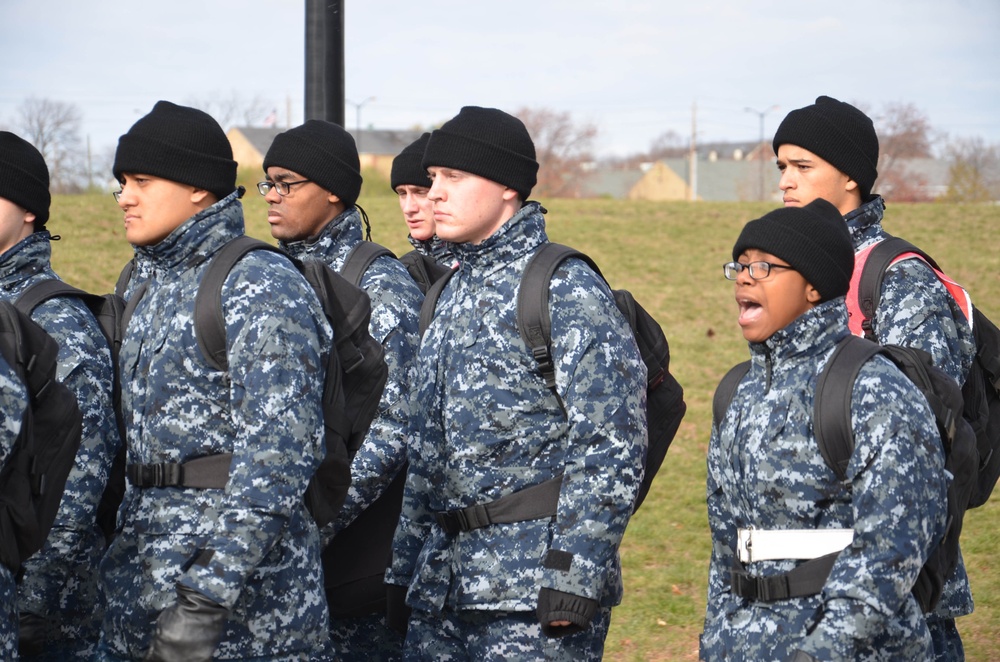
x=357, y=107
x=760, y=164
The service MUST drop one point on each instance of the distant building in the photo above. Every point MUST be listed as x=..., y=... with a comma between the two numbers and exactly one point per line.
x=376, y=147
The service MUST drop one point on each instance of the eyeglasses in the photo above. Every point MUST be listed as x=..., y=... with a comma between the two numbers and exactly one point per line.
x=283, y=188
x=117, y=194
x=758, y=270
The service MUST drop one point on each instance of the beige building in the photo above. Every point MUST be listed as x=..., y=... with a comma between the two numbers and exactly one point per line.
x=376, y=148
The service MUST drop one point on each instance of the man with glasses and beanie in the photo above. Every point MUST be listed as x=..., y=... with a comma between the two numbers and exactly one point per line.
x=772, y=498
x=312, y=186
x=830, y=150
x=487, y=431
x=216, y=555
x=60, y=614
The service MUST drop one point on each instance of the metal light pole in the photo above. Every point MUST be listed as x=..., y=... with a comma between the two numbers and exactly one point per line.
x=324, y=84
x=760, y=161
x=357, y=109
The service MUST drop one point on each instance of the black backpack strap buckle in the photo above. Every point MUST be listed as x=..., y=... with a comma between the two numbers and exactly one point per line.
x=161, y=474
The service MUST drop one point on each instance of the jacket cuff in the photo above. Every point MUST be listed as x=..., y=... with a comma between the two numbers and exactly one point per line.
x=556, y=605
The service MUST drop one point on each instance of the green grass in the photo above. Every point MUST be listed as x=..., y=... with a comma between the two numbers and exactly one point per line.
x=670, y=256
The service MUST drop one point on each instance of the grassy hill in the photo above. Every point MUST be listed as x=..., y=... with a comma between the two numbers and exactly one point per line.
x=670, y=256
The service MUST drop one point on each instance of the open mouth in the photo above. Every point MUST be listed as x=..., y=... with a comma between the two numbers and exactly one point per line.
x=750, y=311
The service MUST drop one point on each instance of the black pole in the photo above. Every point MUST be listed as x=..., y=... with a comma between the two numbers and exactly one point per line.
x=324, y=84
x=335, y=62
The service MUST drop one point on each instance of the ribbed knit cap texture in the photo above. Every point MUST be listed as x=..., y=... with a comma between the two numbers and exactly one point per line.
x=184, y=145
x=322, y=152
x=24, y=177
x=489, y=143
x=814, y=239
x=838, y=133
x=406, y=167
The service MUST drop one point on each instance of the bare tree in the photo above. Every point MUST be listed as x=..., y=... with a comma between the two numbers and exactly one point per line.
x=562, y=148
x=234, y=109
x=974, y=171
x=53, y=127
x=904, y=132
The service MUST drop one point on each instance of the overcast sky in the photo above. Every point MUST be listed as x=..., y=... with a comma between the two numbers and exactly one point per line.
x=633, y=68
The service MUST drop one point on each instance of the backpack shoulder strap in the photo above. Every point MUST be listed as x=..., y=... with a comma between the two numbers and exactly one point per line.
x=832, y=405
x=424, y=269
x=42, y=291
x=431, y=299
x=124, y=277
x=533, y=319
x=360, y=258
x=883, y=254
x=209, y=319
x=726, y=389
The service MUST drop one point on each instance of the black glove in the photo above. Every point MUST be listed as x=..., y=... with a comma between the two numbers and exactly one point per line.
x=188, y=630
x=33, y=633
x=556, y=605
x=397, y=614
x=802, y=656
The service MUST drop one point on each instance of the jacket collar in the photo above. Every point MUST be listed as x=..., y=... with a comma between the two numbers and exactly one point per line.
x=519, y=235
x=811, y=334
x=332, y=244
x=865, y=222
x=24, y=259
x=198, y=238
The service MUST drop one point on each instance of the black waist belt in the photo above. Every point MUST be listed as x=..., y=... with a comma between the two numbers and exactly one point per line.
x=535, y=502
x=806, y=579
x=211, y=471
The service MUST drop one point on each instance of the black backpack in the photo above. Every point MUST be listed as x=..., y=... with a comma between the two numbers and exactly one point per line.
x=34, y=474
x=424, y=269
x=981, y=391
x=832, y=426
x=355, y=373
x=108, y=310
x=355, y=560
x=665, y=406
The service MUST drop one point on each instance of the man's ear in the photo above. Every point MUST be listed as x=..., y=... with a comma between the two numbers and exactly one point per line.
x=29, y=217
x=812, y=295
x=333, y=198
x=202, y=198
x=851, y=185
x=510, y=194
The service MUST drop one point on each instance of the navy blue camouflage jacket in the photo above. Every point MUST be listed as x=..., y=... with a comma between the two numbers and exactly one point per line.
x=915, y=310
x=13, y=401
x=765, y=471
x=394, y=323
x=486, y=426
x=60, y=581
x=251, y=547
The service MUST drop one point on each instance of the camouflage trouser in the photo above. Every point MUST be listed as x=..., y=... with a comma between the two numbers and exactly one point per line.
x=496, y=635
x=946, y=639
x=365, y=638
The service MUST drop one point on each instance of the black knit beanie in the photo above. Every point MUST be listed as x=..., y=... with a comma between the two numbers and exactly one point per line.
x=24, y=177
x=814, y=239
x=184, y=145
x=406, y=168
x=322, y=152
x=838, y=133
x=486, y=142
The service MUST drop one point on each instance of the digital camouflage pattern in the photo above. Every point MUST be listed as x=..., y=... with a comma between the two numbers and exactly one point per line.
x=765, y=471
x=486, y=426
x=13, y=402
x=915, y=310
x=395, y=318
x=251, y=547
x=60, y=581
x=457, y=636
x=436, y=248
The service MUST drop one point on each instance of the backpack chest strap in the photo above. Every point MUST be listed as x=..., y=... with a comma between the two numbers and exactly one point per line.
x=208, y=472
x=535, y=502
x=806, y=579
